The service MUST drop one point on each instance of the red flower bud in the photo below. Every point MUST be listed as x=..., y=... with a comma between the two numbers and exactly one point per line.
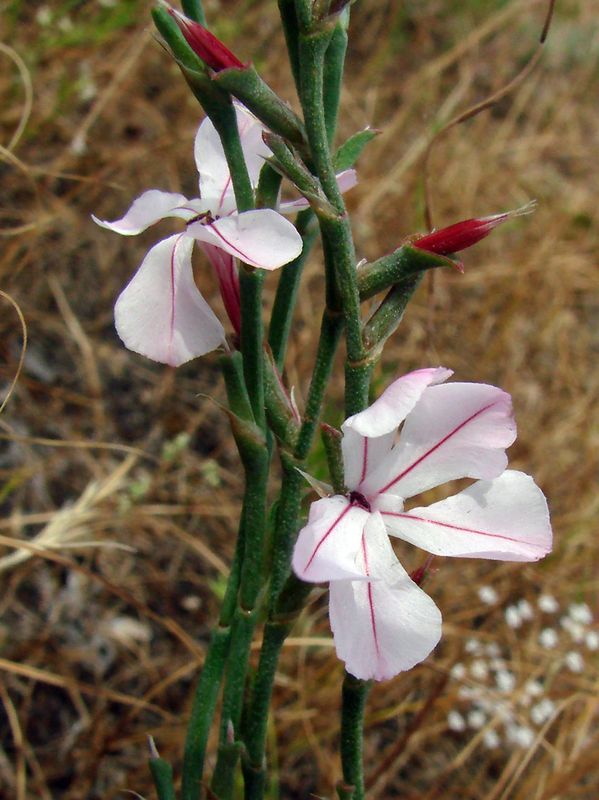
x=466, y=233
x=204, y=44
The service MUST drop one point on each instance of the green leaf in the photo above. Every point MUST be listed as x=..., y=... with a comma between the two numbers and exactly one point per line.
x=351, y=150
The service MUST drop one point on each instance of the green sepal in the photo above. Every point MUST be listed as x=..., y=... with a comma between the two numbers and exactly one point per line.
x=282, y=417
x=175, y=41
x=250, y=440
x=331, y=438
x=237, y=394
x=211, y=97
x=246, y=85
x=194, y=10
x=402, y=263
x=351, y=150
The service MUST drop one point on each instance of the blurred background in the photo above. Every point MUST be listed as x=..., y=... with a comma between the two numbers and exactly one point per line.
x=121, y=475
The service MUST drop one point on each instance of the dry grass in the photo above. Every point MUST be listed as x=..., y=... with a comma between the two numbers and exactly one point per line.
x=122, y=478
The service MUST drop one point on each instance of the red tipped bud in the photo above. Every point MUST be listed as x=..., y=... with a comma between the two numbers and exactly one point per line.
x=468, y=232
x=204, y=44
x=419, y=574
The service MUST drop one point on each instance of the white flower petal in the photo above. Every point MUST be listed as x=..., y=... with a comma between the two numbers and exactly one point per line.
x=506, y=519
x=260, y=238
x=149, y=208
x=216, y=186
x=456, y=430
x=327, y=546
x=161, y=314
x=369, y=435
x=384, y=626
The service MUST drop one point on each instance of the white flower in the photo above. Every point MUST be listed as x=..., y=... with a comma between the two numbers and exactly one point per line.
x=592, y=640
x=479, y=669
x=476, y=718
x=548, y=604
x=491, y=739
x=534, y=688
x=542, y=711
x=382, y=621
x=574, y=661
x=581, y=613
x=525, y=610
x=161, y=313
x=548, y=638
x=488, y=595
x=505, y=680
x=455, y=721
x=513, y=617
x=458, y=671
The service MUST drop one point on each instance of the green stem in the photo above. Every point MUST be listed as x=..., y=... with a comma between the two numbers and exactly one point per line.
x=202, y=713
x=355, y=693
x=287, y=290
x=252, y=335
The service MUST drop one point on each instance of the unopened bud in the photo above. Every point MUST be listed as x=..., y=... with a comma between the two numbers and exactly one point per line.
x=468, y=232
x=204, y=44
x=419, y=574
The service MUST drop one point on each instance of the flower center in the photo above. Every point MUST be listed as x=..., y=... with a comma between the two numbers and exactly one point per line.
x=358, y=499
x=205, y=217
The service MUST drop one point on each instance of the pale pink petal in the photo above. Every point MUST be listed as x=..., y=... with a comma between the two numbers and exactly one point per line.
x=379, y=422
x=384, y=626
x=147, y=209
x=260, y=238
x=161, y=314
x=506, y=518
x=326, y=547
x=346, y=180
x=215, y=180
x=456, y=430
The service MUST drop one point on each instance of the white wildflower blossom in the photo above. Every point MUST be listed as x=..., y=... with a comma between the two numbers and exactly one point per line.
x=520, y=735
x=488, y=595
x=534, y=688
x=493, y=650
x=548, y=638
x=491, y=739
x=525, y=610
x=542, y=711
x=505, y=680
x=548, y=604
x=574, y=661
x=592, y=640
x=512, y=617
x=458, y=671
x=580, y=612
x=472, y=646
x=455, y=721
x=479, y=669
x=476, y=718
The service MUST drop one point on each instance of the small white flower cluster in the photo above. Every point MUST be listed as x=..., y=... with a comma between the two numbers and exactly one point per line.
x=490, y=688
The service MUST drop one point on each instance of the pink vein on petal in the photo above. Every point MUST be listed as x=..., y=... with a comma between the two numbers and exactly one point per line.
x=224, y=192
x=450, y=526
x=418, y=461
x=242, y=255
x=326, y=535
x=370, y=600
x=364, y=459
x=172, y=323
